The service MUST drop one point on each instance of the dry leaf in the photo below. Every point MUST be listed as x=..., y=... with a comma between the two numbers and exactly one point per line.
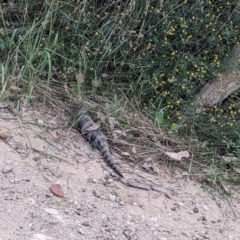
x=146, y=165
x=95, y=126
x=236, y=170
x=156, y=169
x=112, y=122
x=178, y=156
x=56, y=190
x=80, y=78
x=204, y=144
x=125, y=154
x=134, y=149
x=120, y=132
x=104, y=75
x=96, y=82
x=15, y=89
x=229, y=159
x=65, y=86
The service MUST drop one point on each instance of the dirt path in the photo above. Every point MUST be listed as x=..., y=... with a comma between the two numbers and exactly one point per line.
x=96, y=205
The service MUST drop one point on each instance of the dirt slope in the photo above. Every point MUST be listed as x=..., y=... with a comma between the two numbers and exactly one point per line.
x=96, y=204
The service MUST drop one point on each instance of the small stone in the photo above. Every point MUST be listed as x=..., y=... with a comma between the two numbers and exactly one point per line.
x=8, y=162
x=206, y=237
x=110, y=180
x=185, y=234
x=31, y=201
x=135, y=204
x=154, y=219
x=40, y=236
x=40, y=122
x=195, y=210
x=112, y=197
x=7, y=170
x=205, y=207
x=86, y=224
x=51, y=211
x=55, y=213
x=59, y=217
x=95, y=193
x=180, y=204
x=81, y=231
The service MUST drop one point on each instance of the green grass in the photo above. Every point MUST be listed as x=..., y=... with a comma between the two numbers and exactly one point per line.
x=157, y=53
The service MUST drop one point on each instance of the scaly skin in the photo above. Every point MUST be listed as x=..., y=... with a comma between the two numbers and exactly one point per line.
x=98, y=140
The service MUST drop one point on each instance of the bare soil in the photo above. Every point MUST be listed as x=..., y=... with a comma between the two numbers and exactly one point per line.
x=38, y=150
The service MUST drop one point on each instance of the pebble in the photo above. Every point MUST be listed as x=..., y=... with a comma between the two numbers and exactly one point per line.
x=81, y=231
x=95, y=193
x=40, y=236
x=51, y=211
x=8, y=162
x=181, y=204
x=154, y=219
x=7, y=170
x=195, y=210
x=40, y=122
x=110, y=180
x=86, y=224
x=31, y=201
x=205, y=207
x=55, y=213
x=112, y=197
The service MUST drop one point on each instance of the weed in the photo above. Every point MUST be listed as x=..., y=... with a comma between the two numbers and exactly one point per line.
x=157, y=53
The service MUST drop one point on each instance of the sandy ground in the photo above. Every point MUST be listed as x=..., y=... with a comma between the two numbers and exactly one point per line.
x=40, y=151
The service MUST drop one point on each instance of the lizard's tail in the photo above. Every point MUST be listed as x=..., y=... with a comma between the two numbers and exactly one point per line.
x=108, y=159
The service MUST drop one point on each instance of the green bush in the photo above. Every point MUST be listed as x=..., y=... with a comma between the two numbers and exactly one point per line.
x=161, y=52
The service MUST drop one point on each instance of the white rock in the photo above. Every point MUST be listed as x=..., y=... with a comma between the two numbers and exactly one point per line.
x=112, y=197
x=205, y=207
x=40, y=122
x=40, y=236
x=51, y=211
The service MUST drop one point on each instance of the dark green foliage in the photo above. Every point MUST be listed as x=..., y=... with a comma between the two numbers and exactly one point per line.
x=161, y=52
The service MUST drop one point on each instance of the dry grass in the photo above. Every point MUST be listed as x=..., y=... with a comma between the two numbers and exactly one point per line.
x=133, y=134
